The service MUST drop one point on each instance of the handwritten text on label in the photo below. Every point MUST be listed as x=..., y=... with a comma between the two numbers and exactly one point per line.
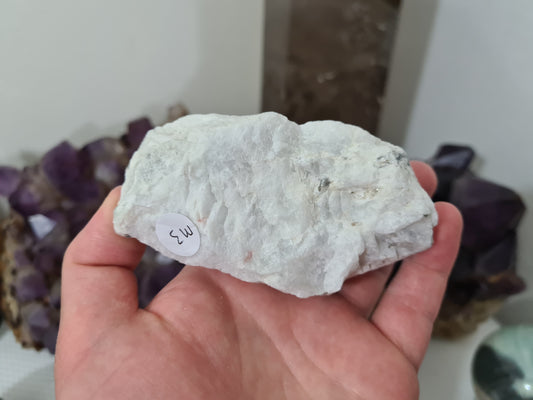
x=178, y=234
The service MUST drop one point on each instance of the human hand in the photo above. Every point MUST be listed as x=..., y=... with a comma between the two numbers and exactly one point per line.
x=207, y=335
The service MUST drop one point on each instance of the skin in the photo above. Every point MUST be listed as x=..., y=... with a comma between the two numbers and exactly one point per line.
x=207, y=335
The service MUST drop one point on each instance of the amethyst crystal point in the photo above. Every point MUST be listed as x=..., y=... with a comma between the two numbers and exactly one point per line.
x=37, y=316
x=485, y=276
x=484, y=273
x=50, y=203
x=26, y=200
x=49, y=338
x=108, y=158
x=61, y=164
x=79, y=216
x=9, y=180
x=21, y=285
x=153, y=273
x=464, y=266
x=21, y=258
x=490, y=211
x=500, y=287
x=65, y=170
x=57, y=239
x=47, y=260
x=497, y=259
x=29, y=285
x=453, y=158
x=34, y=194
x=55, y=294
x=111, y=173
x=41, y=225
x=495, y=270
x=136, y=131
x=450, y=162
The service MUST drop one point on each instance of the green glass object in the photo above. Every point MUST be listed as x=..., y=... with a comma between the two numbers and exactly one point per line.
x=502, y=368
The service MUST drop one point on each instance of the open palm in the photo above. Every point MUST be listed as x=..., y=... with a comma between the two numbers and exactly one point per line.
x=207, y=335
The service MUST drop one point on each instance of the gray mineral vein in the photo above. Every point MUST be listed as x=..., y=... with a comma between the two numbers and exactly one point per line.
x=300, y=208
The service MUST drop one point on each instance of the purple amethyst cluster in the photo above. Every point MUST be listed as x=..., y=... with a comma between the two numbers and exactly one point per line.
x=484, y=274
x=49, y=204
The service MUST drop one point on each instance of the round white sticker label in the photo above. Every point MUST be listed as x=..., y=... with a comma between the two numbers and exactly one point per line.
x=178, y=234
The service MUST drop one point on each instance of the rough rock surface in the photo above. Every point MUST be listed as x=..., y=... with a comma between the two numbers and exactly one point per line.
x=298, y=207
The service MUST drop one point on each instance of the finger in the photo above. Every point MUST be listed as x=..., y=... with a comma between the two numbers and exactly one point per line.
x=363, y=291
x=426, y=176
x=409, y=306
x=98, y=284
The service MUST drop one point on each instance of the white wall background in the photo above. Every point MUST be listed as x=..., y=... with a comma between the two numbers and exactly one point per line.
x=463, y=73
x=80, y=70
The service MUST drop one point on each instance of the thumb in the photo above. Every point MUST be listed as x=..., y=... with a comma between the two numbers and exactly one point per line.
x=98, y=286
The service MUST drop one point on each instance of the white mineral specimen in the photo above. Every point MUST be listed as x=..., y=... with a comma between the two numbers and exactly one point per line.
x=298, y=207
